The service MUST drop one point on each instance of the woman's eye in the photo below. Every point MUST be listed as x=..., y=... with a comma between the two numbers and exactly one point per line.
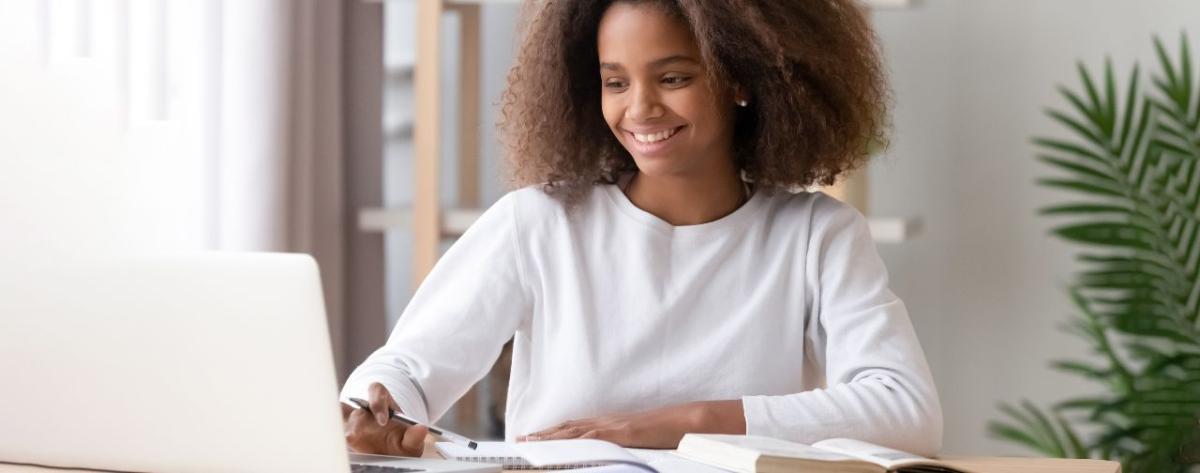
x=614, y=84
x=676, y=80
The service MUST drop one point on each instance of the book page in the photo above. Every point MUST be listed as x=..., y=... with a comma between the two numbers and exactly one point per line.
x=575, y=451
x=484, y=449
x=886, y=457
x=666, y=461
x=775, y=447
x=651, y=455
x=617, y=468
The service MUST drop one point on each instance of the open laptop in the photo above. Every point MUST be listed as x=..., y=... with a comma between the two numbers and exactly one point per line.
x=199, y=363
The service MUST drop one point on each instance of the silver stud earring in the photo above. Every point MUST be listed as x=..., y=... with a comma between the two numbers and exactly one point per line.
x=743, y=103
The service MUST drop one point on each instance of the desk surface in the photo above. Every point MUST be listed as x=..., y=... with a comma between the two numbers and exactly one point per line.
x=1041, y=465
x=979, y=464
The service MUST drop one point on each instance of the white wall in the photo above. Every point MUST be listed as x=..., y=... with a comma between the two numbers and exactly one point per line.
x=985, y=283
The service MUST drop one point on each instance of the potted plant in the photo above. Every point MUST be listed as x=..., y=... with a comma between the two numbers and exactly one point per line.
x=1133, y=166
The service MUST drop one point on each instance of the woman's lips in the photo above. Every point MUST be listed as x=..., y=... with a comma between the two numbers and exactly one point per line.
x=654, y=148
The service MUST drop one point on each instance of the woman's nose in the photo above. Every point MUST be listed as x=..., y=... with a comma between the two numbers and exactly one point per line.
x=645, y=104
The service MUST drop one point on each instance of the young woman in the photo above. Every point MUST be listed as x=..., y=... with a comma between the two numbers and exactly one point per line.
x=662, y=269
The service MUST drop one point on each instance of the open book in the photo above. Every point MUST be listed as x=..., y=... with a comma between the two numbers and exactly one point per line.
x=753, y=454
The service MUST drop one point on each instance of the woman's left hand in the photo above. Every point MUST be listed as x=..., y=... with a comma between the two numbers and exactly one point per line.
x=657, y=428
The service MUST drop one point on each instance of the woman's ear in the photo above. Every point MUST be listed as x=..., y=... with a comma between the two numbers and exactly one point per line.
x=740, y=96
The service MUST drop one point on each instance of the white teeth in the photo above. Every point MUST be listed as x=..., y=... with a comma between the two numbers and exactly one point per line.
x=655, y=137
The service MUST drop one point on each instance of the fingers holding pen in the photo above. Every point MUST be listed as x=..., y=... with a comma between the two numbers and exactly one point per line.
x=370, y=429
x=381, y=421
x=414, y=439
x=381, y=403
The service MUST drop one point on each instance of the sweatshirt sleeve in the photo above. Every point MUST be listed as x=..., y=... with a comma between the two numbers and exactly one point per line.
x=878, y=385
x=457, y=321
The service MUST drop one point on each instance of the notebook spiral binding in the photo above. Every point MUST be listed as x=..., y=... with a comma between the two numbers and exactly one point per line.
x=516, y=463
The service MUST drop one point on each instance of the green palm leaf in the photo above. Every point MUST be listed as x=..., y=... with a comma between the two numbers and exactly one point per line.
x=1082, y=170
x=1115, y=234
x=1088, y=208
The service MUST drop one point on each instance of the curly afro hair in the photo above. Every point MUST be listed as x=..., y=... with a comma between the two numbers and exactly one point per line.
x=812, y=68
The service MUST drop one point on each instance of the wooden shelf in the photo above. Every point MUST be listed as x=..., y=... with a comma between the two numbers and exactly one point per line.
x=454, y=221
x=397, y=127
x=894, y=229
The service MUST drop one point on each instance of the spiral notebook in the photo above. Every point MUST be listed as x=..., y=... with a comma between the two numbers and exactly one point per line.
x=548, y=455
x=500, y=453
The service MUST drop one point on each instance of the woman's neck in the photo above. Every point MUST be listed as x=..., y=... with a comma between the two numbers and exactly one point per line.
x=688, y=200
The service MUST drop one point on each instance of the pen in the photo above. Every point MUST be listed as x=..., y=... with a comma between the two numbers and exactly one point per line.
x=440, y=432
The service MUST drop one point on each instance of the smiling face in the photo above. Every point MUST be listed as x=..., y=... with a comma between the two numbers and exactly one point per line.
x=656, y=97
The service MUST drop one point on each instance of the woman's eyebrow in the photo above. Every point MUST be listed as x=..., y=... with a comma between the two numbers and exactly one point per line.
x=614, y=66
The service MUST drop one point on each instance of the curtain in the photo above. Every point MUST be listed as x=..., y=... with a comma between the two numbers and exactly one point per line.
x=183, y=125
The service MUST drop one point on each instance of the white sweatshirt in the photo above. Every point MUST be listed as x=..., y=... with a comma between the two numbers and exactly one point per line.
x=783, y=303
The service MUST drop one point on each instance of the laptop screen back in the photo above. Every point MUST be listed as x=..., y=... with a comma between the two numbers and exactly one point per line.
x=209, y=362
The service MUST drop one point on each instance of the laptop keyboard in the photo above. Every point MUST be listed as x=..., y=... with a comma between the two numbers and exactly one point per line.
x=365, y=468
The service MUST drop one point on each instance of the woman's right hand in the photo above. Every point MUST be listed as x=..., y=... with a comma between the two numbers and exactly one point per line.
x=375, y=432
